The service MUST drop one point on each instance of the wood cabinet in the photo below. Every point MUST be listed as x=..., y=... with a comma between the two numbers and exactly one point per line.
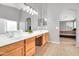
x=15, y=49
x=30, y=46
x=25, y=47
x=45, y=38
x=15, y=52
x=38, y=40
x=41, y=39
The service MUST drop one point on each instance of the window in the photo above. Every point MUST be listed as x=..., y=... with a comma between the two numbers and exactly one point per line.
x=7, y=25
x=11, y=25
x=75, y=24
x=69, y=24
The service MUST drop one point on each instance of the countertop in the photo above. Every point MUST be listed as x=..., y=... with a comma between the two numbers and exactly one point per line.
x=7, y=40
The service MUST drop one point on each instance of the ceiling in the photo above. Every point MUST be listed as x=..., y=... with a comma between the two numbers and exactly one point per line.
x=16, y=5
x=21, y=5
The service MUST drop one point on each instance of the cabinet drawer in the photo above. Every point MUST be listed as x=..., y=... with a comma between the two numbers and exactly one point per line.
x=30, y=40
x=46, y=33
x=10, y=47
x=16, y=52
x=30, y=46
x=30, y=52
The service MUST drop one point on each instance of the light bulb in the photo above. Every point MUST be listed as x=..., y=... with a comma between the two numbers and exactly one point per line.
x=24, y=9
x=30, y=10
x=27, y=7
x=32, y=13
x=27, y=10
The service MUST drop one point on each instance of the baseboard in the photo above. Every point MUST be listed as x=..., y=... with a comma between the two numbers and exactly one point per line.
x=54, y=42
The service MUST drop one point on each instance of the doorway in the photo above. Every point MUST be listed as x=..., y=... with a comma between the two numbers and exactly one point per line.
x=67, y=26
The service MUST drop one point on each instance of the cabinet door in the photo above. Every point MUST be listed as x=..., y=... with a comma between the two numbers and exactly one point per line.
x=43, y=40
x=30, y=46
x=46, y=36
x=15, y=49
x=15, y=52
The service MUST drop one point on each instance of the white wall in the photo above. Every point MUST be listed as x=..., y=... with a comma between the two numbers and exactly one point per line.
x=77, y=31
x=9, y=13
x=67, y=15
x=52, y=14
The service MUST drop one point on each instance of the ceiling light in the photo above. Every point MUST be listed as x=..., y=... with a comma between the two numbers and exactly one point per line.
x=27, y=10
x=30, y=10
x=45, y=19
x=32, y=13
x=24, y=9
x=27, y=7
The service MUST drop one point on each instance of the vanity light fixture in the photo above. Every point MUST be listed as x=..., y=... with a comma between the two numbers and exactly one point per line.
x=27, y=7
x=32, y=14
x=29, y=10
x=24, y=9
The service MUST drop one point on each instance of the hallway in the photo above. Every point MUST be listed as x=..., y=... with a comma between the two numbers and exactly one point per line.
x=65, y=48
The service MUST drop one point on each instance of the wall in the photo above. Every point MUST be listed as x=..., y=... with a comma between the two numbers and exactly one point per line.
x=9, y=13
x=67, y=15
x=77, y=31
x=52, y=13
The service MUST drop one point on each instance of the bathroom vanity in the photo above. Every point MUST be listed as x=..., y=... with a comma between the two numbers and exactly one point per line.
x=24, y=45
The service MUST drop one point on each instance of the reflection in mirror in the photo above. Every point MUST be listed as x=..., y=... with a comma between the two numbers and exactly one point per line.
x=42, y=23
x=11, y=25
x=39, y=22
x=22, y=25
x=28, y=20
x=28, y=25
x=2, y=25
x=7, y=25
